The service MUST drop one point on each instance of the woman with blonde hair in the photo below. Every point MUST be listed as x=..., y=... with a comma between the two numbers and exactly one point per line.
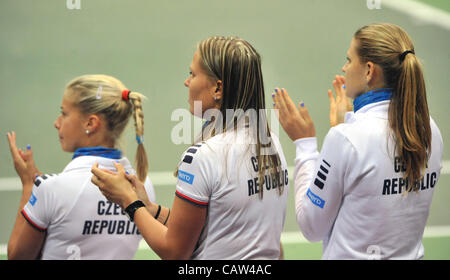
x=230, y=200
x=64, y=216
x=368, y=193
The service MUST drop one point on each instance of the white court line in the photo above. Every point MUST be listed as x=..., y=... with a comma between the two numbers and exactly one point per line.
x=163, y=178
x=421, y=12
x=295, y=237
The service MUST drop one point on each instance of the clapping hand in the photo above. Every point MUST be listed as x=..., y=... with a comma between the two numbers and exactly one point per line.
x=341, y=104
x=23, y=161
x=296, y=122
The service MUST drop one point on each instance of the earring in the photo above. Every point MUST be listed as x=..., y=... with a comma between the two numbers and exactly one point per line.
x=216, y=98
x=87, y=131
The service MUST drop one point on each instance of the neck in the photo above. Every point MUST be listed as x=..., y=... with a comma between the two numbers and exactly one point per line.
x=93, y=141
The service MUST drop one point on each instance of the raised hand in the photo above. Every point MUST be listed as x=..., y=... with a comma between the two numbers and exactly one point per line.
x=341, y=104
x=296, y=122
x=23, y=161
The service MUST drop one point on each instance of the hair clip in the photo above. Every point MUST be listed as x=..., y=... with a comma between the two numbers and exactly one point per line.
x=98, y=95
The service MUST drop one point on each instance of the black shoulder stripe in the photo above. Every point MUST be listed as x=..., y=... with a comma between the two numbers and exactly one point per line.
x=42, y=177
x=187, y=159
x=192, y=150
x=318, y=183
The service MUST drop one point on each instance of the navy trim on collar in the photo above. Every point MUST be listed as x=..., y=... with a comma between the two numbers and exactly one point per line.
x=98, y=152
x=372, y=96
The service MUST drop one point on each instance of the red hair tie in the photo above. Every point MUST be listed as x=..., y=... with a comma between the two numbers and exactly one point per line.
x=126, y=94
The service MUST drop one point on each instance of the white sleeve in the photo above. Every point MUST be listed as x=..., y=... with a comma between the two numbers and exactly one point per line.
x=196, y=172
x=40, y=207
x=318, y=183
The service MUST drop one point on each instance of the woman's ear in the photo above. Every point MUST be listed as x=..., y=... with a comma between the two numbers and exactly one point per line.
x=374, y=75
x=370, y=71
x=219, y=91
x=92, y=123
x=219, y=86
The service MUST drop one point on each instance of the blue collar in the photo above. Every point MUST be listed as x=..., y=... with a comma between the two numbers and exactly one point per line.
x=372, y=96
x=98, y=152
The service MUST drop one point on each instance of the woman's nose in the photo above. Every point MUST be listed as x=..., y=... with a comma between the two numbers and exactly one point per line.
x=56, y=124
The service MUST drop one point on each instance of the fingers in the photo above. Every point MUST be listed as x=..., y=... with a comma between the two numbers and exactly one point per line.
x=341, y=79
x=109, y=171
x=12, y=144
x=304, y=112
x=288, y=101
x=16, y=152
x=337, y=87
x=98, y=173
x=119, y=167
x=331, y=97
x=131, y=178
x=28, y=154
x=96, y=181
x=278, y=101
x=284, y=103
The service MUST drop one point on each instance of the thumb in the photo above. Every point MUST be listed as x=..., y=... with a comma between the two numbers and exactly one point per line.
x=28, y=154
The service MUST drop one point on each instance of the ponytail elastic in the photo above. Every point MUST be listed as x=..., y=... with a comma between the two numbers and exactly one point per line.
x=140, y=139
x=126, y=94
x=403, y=55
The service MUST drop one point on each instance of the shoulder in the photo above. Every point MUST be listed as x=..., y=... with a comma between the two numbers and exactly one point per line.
x=340, y=133
x=192, y=152
x=206, y=150
x=361, y=131
x=340, y=142
x=45, y=180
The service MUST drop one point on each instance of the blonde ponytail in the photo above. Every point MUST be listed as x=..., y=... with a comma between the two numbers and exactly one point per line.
x=141, y=154
x=410, y=119
x=389, y=46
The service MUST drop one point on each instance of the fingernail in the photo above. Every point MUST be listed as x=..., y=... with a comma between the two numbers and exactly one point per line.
x=276, y=90
x=273, y=95
x=117, y=161
x=343, y=86
x=126, y=172
x=28, y=147
x=302, y=104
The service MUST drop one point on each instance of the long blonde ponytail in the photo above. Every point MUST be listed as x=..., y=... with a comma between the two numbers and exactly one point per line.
x=141, y=154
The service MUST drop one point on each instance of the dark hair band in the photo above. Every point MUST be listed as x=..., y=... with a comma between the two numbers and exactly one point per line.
x=403, y=55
